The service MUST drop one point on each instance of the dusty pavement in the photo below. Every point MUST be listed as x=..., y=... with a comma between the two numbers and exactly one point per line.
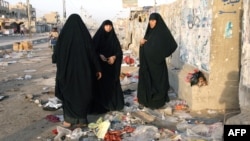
x=26, y=77
x=27, y=82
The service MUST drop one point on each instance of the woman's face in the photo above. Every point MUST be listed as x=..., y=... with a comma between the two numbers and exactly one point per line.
x=152, y=23
x=107, y=28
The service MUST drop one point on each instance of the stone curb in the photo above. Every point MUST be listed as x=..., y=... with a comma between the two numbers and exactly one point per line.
x=34, y=42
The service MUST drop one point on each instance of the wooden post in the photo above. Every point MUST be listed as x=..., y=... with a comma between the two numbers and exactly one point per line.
x=28, y=12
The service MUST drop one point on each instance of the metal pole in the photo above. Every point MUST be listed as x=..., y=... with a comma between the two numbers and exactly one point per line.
x=81, y=9
x=28, y=12
x=64, y=11
x=155, y=5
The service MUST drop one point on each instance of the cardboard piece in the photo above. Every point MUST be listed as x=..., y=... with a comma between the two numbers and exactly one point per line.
x=144, y=116
x=16, y=46
x=25, y=45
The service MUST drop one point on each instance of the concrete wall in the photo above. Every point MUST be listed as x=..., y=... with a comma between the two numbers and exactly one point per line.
x=244, y=90
x=209, y=39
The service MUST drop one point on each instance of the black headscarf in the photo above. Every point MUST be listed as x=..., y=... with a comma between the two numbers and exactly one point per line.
x=107, y=43
x=153, y=74
x=161, y=37
x=75, y=59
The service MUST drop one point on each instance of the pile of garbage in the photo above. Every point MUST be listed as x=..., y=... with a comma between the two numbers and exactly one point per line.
x=169, y=123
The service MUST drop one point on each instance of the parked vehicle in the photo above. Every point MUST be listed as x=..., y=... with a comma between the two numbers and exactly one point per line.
x=8, y=32
x=7, y=28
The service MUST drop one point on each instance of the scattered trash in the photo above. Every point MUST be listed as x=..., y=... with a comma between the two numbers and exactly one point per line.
x=12, y=62
x=144, y=133
x=129, y=60
x=4, y=64
x=45, y=88
x=27, y=77
x=2, y=97
x=52, y=105
x=29, y=70
x=144, y=116
x=29, y=97
x=6, y=56
x=128, y=92
x=196, y=78
x=37, y=101
x=102, y=129
x=61, y=133
x=52, y=118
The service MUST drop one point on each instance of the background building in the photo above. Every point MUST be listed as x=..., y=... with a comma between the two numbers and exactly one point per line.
x=16, y=15
x=4, y=8
x=52, y=19
x=4, y=11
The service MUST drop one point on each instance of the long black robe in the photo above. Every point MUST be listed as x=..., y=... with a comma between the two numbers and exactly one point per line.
x=108, y=92
x=76, y=63
x=153, y=82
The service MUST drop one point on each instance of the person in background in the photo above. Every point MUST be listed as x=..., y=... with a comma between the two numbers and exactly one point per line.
x=76, y=64
x=157, y=44
x=22, y=30
x=108, y=95
x=53, y=36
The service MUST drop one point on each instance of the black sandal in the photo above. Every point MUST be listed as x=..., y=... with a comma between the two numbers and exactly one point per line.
x=81, y=125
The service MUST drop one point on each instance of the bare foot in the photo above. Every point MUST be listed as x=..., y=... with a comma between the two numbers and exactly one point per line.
x=66, y=124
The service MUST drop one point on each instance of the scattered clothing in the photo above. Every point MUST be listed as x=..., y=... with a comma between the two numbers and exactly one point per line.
x=52, y=118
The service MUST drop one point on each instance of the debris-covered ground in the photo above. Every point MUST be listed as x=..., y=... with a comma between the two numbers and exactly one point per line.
x=29, y=111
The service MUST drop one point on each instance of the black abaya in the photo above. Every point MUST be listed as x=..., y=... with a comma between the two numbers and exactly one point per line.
x=153, y=82
x=76, y=63
x=108, y=92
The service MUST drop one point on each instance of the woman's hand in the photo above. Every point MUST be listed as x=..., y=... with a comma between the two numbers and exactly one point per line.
x=111, y=60
x=142, y=42
x=99, y=75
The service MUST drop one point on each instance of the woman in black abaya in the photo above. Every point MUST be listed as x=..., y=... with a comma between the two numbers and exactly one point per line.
x=108, y=94
x=76, y=63
x=158, y=43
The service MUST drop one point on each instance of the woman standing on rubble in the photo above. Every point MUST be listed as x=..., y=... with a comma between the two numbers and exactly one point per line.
x=158, y=43
x=108, y=95
x=74, y=57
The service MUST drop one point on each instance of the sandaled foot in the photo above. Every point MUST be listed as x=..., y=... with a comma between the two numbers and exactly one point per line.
x=81, y=125
x=69, y=126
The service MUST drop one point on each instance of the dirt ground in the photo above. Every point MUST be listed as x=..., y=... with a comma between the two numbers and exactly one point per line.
x=29, y=78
